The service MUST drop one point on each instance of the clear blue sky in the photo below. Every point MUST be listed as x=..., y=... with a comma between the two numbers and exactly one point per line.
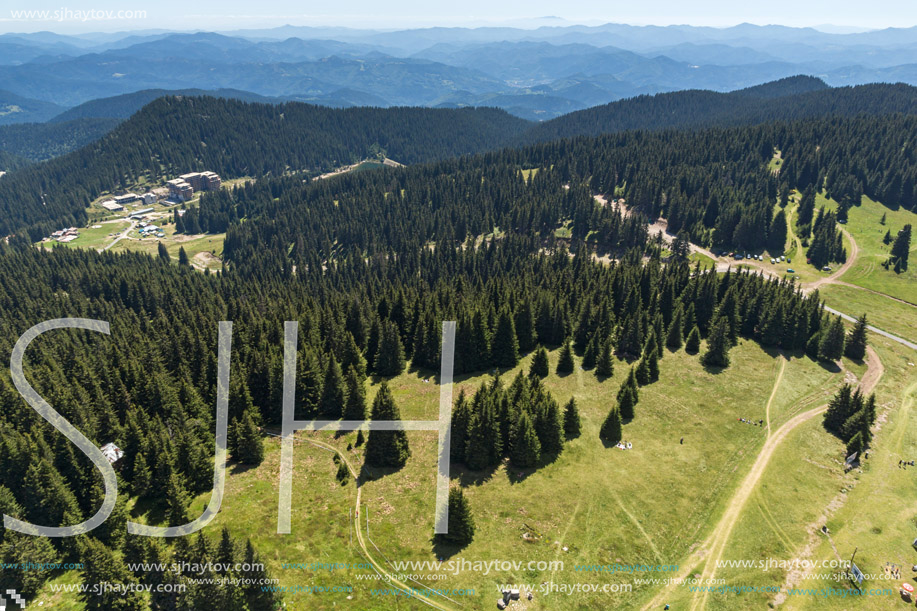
x=235, y=14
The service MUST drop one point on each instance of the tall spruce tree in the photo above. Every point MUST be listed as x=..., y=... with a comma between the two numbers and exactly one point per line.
x=525, y=447
x=102, y=565
x=611, y=427
x=855, y=345
x=539, y=365
x=718, y=344
x=389, y=359
x=831, y=346
x=334, y=393
x=460, y=522
x=355, y=408
x=505, y=345
x=565, y=362
x=604, y=365
x=386, y=448
x=571, y=419
x=249, y=445
x=900, y=250
x=692, y=344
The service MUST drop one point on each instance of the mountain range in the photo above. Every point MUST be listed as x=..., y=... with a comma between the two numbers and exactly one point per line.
x=536, y=74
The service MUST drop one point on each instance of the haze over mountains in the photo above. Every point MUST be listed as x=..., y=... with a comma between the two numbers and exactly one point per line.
x=535, y=74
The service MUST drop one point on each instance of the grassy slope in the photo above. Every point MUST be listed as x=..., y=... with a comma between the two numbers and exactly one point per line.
x=868, y=232
x=648, y=505
x=877, y=514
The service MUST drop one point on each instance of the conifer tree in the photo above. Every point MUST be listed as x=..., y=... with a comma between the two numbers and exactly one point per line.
x=674, y=339
x=900, y=250
x=526, y=449
x=142, y=479
x=102, y=565
x=549, y=427
x=565, y=363
x=776, y=235
x=611, y=427
x=386, y=448
x=334, y=393
x=257, y=597
x=525, y=326
x=355, y=408
x=855, y=346
x=459, y=434
x=352, y=357
x=163, y=253
x=177, y=500
x=249, y=445
x=505, y=346
x=839, y=409
x=652, y=365
x=627, y=400
x=855, y=444
x=389, y=360
x=592, y=352
x=642, y=373
x=604, y=366
x=183, y=260
x=692, y=345
x=461, y=522
x=539, y=365
x=831, y=346
x=718, y=345
x=571, y=419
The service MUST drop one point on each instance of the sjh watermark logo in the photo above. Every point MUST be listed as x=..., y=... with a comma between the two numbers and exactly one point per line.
x=14, y=597
x=289, y=426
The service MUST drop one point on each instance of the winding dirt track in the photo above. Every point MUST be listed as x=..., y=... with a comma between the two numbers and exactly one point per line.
x=378, y=566
x=712, y=549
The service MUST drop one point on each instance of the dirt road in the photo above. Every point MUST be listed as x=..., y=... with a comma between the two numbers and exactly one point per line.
x=391, y=580
x=711, y=550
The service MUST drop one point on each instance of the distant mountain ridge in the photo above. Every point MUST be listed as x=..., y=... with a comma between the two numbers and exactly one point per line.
x=789, y=99
x=537, y=74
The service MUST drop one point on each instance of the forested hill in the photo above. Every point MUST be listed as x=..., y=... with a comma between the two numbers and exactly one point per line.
x=173, y=135
x=41, y=141
x=714, y=185
x=697, y=109
x=123, y=106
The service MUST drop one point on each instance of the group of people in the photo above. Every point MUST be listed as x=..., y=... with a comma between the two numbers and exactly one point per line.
x=905, y=463
x=754, y=422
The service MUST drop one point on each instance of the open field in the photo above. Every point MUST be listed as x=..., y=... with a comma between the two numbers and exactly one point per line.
x=876, y=507
x=889, y=315
x=601, y=504
x=868, y=271
x=96, y=236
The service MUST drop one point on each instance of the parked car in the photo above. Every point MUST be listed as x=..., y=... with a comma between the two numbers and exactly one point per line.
x=826, y=268
x=791, y=271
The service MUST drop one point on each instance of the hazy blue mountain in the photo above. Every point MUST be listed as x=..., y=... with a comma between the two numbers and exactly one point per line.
x=788, y=99
x=537, y=73
x=123, y=106
x=20, y=109
x=41, y=141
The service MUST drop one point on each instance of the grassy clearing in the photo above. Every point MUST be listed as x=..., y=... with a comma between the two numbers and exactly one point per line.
x=95, y=236
x=868, y=272
x=649, y=505
x=876, y=507
x=882, y=312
